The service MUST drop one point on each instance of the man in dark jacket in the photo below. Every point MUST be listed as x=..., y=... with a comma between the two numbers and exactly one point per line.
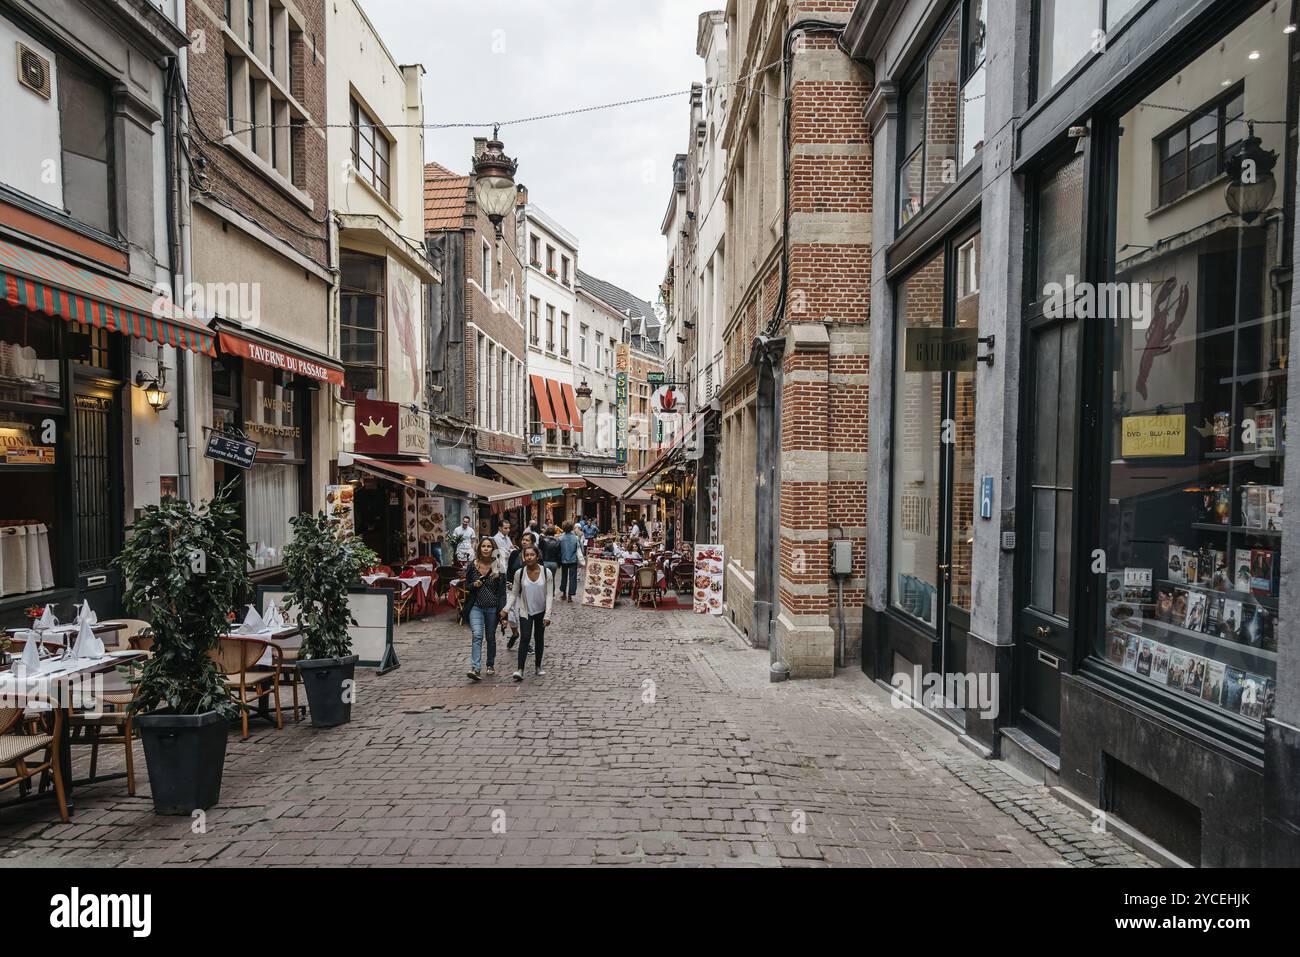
x=550, y=546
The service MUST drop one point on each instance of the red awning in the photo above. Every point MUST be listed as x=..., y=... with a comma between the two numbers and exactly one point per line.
x=543, y=402
x=557, y=403
x=495, y=493
x=297, y=361
x=575, y=417
x=57, y=288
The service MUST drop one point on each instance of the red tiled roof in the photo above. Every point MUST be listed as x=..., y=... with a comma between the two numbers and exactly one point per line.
x=445, y=195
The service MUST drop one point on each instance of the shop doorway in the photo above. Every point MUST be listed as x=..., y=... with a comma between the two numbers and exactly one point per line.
x=1050, y=415
x=97, y=495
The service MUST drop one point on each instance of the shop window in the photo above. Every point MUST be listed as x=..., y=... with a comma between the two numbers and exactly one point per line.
x=29, y=363
x=1068, y=30
x=273, y=417
x=361, y=325
x=942, y=122
x=918, y=417
x=1198, y=396
x=85, y=111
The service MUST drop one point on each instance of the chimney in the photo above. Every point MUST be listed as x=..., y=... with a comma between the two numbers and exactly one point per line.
x=521, y=195
x=480, y=146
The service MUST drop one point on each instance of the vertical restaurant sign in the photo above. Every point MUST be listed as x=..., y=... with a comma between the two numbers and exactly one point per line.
x=405, y=348
x=620, y=437
x=707, y=580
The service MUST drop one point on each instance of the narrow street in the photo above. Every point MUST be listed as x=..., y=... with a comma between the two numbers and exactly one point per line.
x=654, y=739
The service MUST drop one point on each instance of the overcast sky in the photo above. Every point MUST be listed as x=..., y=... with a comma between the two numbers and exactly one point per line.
x=604, y=176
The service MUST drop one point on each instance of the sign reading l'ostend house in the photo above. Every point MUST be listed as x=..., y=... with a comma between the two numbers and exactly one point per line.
x=938, y=349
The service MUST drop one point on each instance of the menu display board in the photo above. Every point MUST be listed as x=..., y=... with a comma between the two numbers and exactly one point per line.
x=433, y=519
x=600, y=587
x=708, y=580
x=338, y=506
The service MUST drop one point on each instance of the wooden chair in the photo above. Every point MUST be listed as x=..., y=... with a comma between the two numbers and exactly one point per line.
x=114, y=711
x=683, y=577
x=123, y=636
x=237, y=660
x=645, y=587
x=16, y=748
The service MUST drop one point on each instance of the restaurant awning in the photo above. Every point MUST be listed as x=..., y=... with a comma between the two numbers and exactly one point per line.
x=557, y=404
x=571, y=400
x=269, y=351
x=493, y=492
x=670, y=455
x=616, y=487
x=543, y=402
x=524, y=476
x=57, y=288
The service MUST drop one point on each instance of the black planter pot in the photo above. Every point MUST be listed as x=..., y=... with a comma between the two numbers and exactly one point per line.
x=324, y=679
x=185, y=754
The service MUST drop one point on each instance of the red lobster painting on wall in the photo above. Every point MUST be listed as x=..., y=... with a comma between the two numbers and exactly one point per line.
x=1162, y=332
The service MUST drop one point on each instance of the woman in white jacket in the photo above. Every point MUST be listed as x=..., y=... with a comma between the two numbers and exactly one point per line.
x=531, y=599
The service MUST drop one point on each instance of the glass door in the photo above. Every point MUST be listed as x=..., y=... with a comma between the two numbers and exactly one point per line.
x=933, y=507
x=1045, y=633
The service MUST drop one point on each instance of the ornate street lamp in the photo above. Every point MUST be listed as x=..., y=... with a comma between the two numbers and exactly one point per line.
x=494, y=181
x=583, y=396
x=1250, y=177
x=155, y=391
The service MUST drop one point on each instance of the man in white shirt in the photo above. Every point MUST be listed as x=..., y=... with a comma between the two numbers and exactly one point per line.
x=504, y=544
x=463, y=539
x=634, y=531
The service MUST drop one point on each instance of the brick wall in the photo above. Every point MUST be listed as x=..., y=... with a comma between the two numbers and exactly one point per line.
x=234, y=181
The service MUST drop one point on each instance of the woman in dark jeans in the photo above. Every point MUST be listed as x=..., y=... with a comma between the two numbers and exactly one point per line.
x=485, y=597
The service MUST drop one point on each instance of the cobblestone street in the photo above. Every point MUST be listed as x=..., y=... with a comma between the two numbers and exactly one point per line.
x=653, y=739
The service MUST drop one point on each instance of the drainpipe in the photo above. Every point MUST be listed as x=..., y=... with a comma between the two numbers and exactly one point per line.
x=188, y=412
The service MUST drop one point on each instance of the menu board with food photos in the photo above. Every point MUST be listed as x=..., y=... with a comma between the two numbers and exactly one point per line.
x=708, y=580
x=433, y=519
x=338, y=506
x=600, y=587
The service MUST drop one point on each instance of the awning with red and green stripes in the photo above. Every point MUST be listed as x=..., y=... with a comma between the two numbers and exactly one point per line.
x=57, y=288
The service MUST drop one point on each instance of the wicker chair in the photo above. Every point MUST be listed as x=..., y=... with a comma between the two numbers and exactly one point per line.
x=16, y=748
x=237, y=659
x=646, y=587
x=114, y=711
x=403, y=597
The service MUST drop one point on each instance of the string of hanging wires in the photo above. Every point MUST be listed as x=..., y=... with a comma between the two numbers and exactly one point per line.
x=245, y=126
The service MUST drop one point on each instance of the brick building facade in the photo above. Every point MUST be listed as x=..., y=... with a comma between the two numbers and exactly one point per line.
x=795, y=393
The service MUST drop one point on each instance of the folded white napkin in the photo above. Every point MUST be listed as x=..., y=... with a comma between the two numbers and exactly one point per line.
x=252, y=622
x=31, y=654
x=86, y=614
x=273, y=620
x=47, y=619
x=88, y=644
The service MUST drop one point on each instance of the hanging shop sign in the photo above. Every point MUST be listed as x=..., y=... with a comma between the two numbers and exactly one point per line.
x=666, y=400
x=376, y=427
x=412, y=433
x=231, y=449
x=936, y=349
x=655, y=379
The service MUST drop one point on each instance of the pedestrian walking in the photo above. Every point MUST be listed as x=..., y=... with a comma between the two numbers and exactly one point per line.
x=531, y=600
x=550, y=551
x=515, y=563
x=569, y=548
x=485, y=597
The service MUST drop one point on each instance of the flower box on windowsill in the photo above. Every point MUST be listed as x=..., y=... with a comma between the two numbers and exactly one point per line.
x=536, y=264
x=552, y=273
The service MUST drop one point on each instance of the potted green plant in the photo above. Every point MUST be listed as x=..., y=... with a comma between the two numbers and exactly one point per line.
x=185, y=567
x=321, y=564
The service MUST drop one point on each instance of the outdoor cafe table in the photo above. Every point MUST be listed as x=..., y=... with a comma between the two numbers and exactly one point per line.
x=288, y=639
x=59, y=633
x=62, y=674
x=423, y=581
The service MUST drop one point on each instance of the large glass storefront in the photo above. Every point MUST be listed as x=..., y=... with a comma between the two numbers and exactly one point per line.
x=1195, y=438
